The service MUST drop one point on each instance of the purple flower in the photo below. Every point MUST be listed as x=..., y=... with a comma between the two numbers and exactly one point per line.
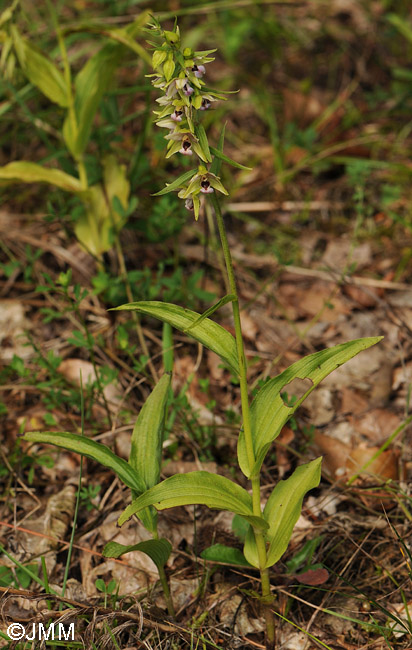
x=186, y=148
x=189, y=205
x=204, y=182
x=205, y=104
x=176, y=116
x=199, y=70
x=205, y=186
x=188, y=90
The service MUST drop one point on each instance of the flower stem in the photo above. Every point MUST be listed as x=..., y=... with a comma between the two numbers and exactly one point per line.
x=260, y=540
x=166, y=591
x=164, y=582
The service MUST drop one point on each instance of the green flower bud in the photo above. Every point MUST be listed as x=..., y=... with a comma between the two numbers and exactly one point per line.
x=197, y=101
x=159, y=57
x=171, y=37
x=168, y=69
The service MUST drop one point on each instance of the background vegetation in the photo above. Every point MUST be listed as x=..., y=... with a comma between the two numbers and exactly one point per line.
x=321, y=236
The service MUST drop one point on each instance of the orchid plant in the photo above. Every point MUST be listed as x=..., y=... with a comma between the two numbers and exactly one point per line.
x=179, y=74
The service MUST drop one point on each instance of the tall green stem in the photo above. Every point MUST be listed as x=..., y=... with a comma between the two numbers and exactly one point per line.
x=244, y=395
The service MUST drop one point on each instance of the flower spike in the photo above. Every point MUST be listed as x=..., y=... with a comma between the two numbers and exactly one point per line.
x=178, y=75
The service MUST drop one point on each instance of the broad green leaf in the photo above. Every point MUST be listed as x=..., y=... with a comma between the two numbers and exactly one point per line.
x=100, y=453
x=40, y=71
x=126, y=36
x=303, y=558
x=225, y=554
x=91, y=83
x=147, y=437
x=250, y=549
x=230, y=297
x=282, y=511
x=117, y=186
x=284, y=506
x=240, y=527
x=226, y=159
x=177, y=184
x=269, y=413
x=209, y=333
x=94, y=80
x=201, y=488
x=94, y=229
x=28, y=172
x=148, y=516
x=157, y=549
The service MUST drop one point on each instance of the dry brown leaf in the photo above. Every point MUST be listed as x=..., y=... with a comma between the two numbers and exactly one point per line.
x=320, y=405
x=363, y=296
x=377, y=425
x=340, y=460
x=340, y=252
x=233, y=611
x=13, y=323
x=310, y=301
x=183, y=590
x=140, y=571
x=313, y=577
x=52, y=525
x=352, y=401
x=348, y=608
x=402, y=376
x=385, y=466
x=73, y=369
x=300, y=107
x=404, y=613
x=294, y=640
x=286, y=436
x=249, y=326
x=59, y=513
x=370, y=371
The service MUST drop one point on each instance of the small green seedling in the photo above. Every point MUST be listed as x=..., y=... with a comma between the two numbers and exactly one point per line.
x=179, y=74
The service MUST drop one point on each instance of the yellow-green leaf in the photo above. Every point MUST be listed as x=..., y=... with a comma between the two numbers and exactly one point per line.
x=116, y=185
x=284, y=506
x=201, y=488
x=40, y=71
x=94, y=228
x=269, y=413
x=90, y=85
x=147, y=436
x=207, y=332
x=28, y=172
x=92, y=449
x=157, y=549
